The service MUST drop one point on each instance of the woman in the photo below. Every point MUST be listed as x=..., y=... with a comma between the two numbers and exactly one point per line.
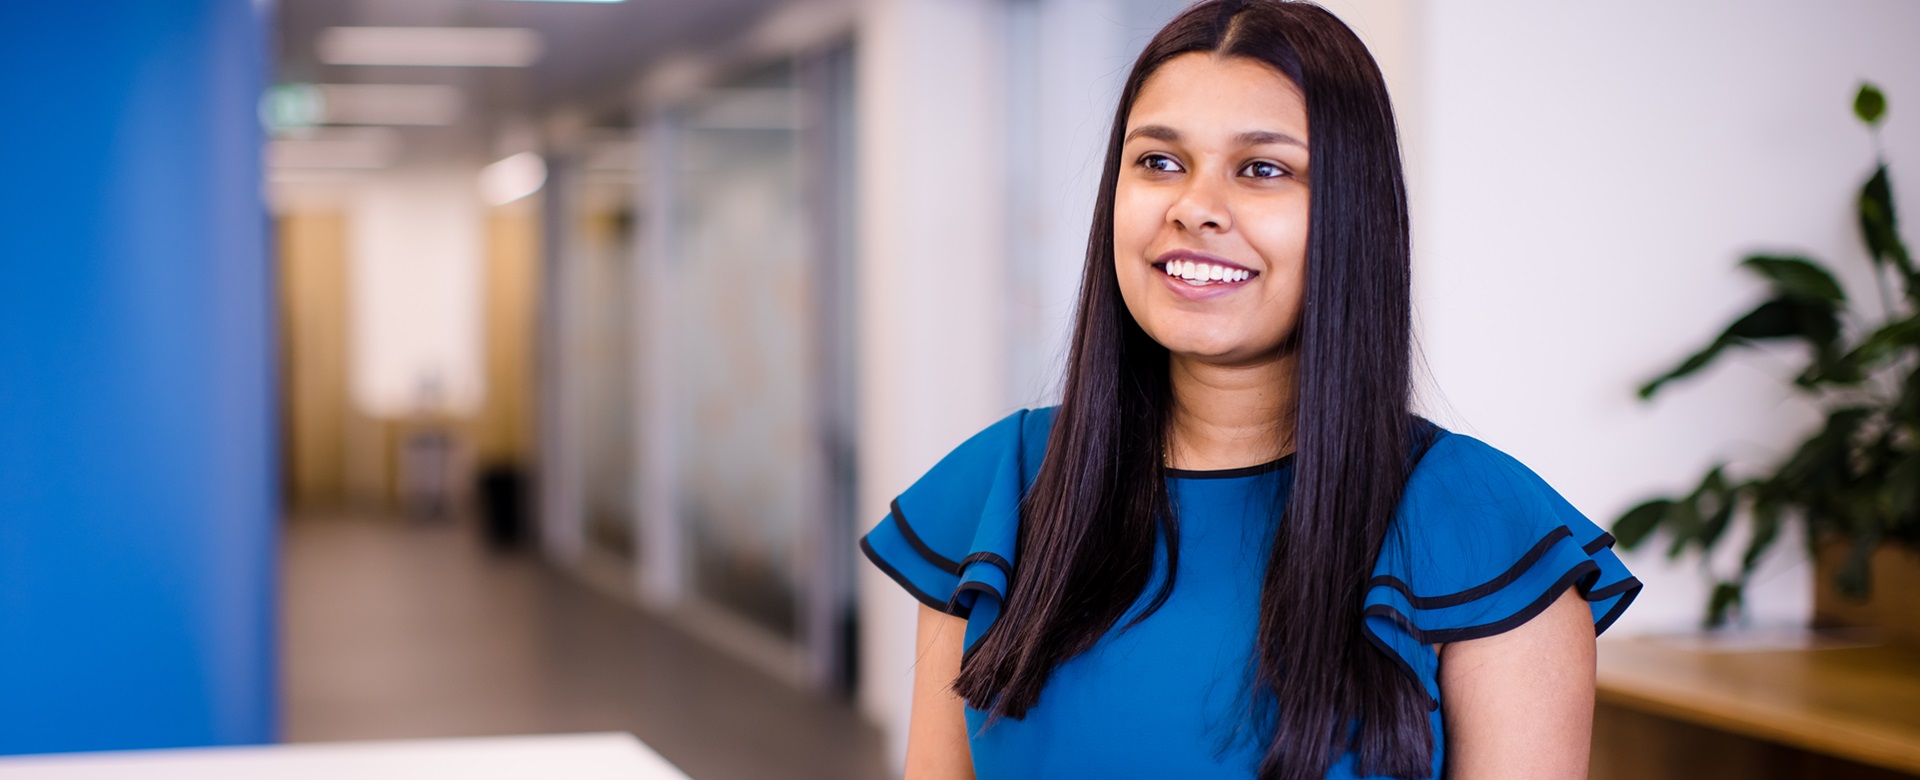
x=1232, y=550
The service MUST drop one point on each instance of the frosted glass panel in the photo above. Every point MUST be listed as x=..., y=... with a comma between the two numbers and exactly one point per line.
x=745, y=364
x=604, y=324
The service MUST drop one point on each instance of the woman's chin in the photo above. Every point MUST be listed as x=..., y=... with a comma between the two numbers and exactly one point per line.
x=1217, y=350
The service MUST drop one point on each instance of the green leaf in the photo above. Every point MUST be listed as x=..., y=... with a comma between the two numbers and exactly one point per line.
x=1788, y=317
x=1633, y=527
x=1833, y=369
x=1869, y=104
x=1879, y=226
x=1716, y=522
x=1820, y=467
x=1766, y=528
x=1888, y=341
x=1797, y=276
x=1727, y=596
x=1683, y=522
x=1907, y=409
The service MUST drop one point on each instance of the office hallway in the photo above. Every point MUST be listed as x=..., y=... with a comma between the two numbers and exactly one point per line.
x=395, y=630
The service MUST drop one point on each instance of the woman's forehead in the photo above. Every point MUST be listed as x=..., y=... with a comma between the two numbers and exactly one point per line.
x=1201, y=95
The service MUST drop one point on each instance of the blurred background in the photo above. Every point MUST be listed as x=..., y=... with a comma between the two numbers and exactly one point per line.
x=461, y=367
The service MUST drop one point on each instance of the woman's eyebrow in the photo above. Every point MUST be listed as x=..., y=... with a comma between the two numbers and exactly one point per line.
x=1260, y=137
x=1155, y=132
x=1248, y=138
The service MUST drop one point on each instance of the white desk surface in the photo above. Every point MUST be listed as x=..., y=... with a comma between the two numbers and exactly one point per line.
x=571, y=756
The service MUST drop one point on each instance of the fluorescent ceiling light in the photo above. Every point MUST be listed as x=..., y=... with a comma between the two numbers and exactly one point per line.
x=482, y=47
x=513, y=178
x=390, y=104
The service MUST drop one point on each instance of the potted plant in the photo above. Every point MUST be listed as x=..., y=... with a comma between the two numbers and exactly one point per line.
x=1855, y=482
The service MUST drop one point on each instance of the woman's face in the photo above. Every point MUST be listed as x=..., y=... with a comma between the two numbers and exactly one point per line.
x=1210, y=210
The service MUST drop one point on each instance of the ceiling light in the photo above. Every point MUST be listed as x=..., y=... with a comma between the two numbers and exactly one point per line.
x=484, y=47
x=513, y=178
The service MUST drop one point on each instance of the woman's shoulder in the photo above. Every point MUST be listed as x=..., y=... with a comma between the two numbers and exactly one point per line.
x=1457, y=466
x=1017, y=440
x=963, y=511
x=1469, y=500
x=1480, y=544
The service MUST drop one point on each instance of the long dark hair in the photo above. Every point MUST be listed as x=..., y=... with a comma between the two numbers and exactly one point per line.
x=1088, y=526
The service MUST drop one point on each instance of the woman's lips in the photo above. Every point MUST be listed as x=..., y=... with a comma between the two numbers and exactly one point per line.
x=1193, y=273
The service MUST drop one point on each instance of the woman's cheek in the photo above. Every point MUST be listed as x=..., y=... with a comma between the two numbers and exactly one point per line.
x=1132, y=225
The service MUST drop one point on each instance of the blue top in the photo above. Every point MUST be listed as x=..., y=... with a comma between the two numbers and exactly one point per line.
x=1480, y=545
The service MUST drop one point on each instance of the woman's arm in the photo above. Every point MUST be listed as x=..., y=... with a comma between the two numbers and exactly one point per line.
x=937, y=733
x=1520, y=704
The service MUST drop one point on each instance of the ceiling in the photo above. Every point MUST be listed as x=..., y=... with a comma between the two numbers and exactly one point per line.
x=591, y=55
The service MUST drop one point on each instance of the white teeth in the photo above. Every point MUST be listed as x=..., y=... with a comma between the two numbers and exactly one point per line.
x=1206, y=272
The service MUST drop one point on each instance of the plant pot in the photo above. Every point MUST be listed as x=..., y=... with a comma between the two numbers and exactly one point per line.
x=1892, y=606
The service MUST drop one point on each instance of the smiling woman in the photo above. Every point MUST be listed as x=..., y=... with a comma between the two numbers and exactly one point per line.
x=1211, y=207
x=1233, y=550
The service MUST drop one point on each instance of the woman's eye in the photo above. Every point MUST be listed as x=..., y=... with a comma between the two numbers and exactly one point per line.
x=1160, y=163
x=1261, y=169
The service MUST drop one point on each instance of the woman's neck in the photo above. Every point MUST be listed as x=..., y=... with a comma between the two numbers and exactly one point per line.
x=1230, y=416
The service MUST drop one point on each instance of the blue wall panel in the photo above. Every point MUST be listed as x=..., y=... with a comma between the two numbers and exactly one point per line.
x=138, y=509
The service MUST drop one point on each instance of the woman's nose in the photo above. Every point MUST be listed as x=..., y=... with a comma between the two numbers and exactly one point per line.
x=1201, y=206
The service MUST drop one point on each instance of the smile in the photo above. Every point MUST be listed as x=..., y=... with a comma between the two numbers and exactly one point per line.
x=1204, y=274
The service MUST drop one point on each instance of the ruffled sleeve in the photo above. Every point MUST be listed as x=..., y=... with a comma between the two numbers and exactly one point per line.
x=949, y=539
x=1480, y=545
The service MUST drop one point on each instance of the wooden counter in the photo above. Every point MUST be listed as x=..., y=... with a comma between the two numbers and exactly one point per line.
x=1860, y=704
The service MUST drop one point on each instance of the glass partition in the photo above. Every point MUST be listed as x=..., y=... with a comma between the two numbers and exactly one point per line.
x=745, y=367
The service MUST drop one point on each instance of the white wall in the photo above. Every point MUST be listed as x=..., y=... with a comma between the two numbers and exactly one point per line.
x=930, y=269
x=1590, y=173
x=415, y=253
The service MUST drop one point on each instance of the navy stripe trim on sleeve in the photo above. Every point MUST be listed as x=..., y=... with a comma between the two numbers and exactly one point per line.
x=922, y=596
x=1628, y=589
x=1587, y=570
x=981, y=587
x=946, y=564
x=967, y=652
x=1506, y=578
x=993, y=558
x=1405, y=668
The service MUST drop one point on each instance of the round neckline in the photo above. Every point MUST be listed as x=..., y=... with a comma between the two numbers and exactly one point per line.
x=1243, y=471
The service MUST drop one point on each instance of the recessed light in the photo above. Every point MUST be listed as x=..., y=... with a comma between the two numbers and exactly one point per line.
x=479, y=47
x=513, y=178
